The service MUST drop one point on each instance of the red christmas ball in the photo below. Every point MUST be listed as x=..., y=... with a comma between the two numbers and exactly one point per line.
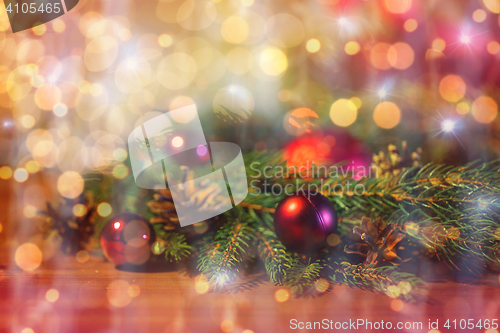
x=303, y=221
x=127, y=238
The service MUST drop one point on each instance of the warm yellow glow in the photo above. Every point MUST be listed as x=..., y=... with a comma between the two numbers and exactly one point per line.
x=120, y=154
x=28, y=121
x=227, y=326
x=247, y=3
x=28, y=257
x=273, y=61
x=79, y=210
x=400, y=55
x=201, y=284
x=452, y=88
x=356, y=101
x=27, y=330
x=239, y=60
x=21, y=175
x=200, y=227
x=39, y=30
x=411, y=25
x=281, y=295
x=463, y=108
x=398, y=6
x=397, y=305
x=165, y=40
x=352, y=47
x=29, y=211
x=493, y=47
x=484, y=109
x=60, y=109
x=322, y=285
x=492, y=5
x=58, y=25
x=479, y=15
x=104, y=209
x=333, y=240
x=404, y=287
x=82, y=256
x=378, y=56
x=313, y=45
x=47, y=96
x=299, y=121
x=387, y=115
x=234, y=30
x=439, y=44
x=177, y=141
x=70, y=184
x=343, y=112
x=134, y=291
x=5, y=172
x=52, y=295
x=32, y=166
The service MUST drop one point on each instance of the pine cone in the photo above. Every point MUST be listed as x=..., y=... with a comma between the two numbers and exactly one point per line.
x=377, y=242
x=393, y=164
x=204, y=196
x=75, y=231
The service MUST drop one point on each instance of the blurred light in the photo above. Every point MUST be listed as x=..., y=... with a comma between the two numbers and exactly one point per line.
x=32, y=166
x=30, y=211
x=356, y=101
x=382, y=93
x=400, y=56
x=492, y=5
x=448, y=125
x=452, y=88
x=28, y=121
x=378, y=56
x=120, y=171
x=70, y=184
x=82, y=256
x=5, y=172
x=397, y=305
x=227, y=326
x=104, y=209
x=247, y=3
x=200, y=227
x=491, y=330
x=201, y=150
x=134, y=291
x=201, y=284
x=493, y=47
x=387, y=115
x=333, y=240
x=27, y=330
x=165, y=40
x=284, y=95
x=322, y=285
x=47, y=96
x=247, y=331
x=285, y=30
x=273, y=61
x=117, y=293
x=58, y=25
x=7, y=124
x=465, y=39
x=299, y=121
x=52, y=295
x=352, y=47
x=39, y=30
x=484, y=109
x=120, y=154
x=434, y=331
x=281, y=295
x=404, y=287
x=21, y=175
x=79, y=210
x=479, y=15
x=343, y=21
x=28, y=257
x=313, y=45
x=117, y=225
x=398, y=6
x=234, y=30
x=343, y=112
x=239, y=60
x=439, y=44
x=177, y=141
x=411, y=25
x=463, y=108
x=60, y=109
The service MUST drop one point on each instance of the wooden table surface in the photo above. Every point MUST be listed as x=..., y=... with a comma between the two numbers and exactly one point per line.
x=94, y=297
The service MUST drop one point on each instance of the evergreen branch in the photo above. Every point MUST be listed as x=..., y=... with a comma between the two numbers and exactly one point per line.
x=220, y=257
x=301, y=275
x=384, y=280
x=176, y=246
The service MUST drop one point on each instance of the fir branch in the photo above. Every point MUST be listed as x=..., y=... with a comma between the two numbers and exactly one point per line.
x=222, y=255
x=176, y=246
x=384, y=280
x=301, y=275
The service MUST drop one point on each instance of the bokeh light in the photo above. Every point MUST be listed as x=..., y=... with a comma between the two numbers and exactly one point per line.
x=479, y=15
x=492, y=5
x=104, y=209
x=387, y=115
x=28, y=257
x=397, y=6
x=234, y=30
x=484, y=109
x=313, y=45
x=439, y=44
x=352, y=47
x=117, y=293
x=462, y=108
x=273, y=61
x=5, y=172
x=82, y=256
x=201, y=284
x=165, y=40
x=343, y=112
x=70, y=184
x=400, y=55
x=281, y=295
x=411, y=25
x=52, y=295
x=21, y=175
x=452, y=88
x=299, y=121
x=493, y=47
x=378, y=56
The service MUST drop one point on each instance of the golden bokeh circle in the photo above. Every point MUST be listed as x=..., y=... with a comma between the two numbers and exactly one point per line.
x=387, y=115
